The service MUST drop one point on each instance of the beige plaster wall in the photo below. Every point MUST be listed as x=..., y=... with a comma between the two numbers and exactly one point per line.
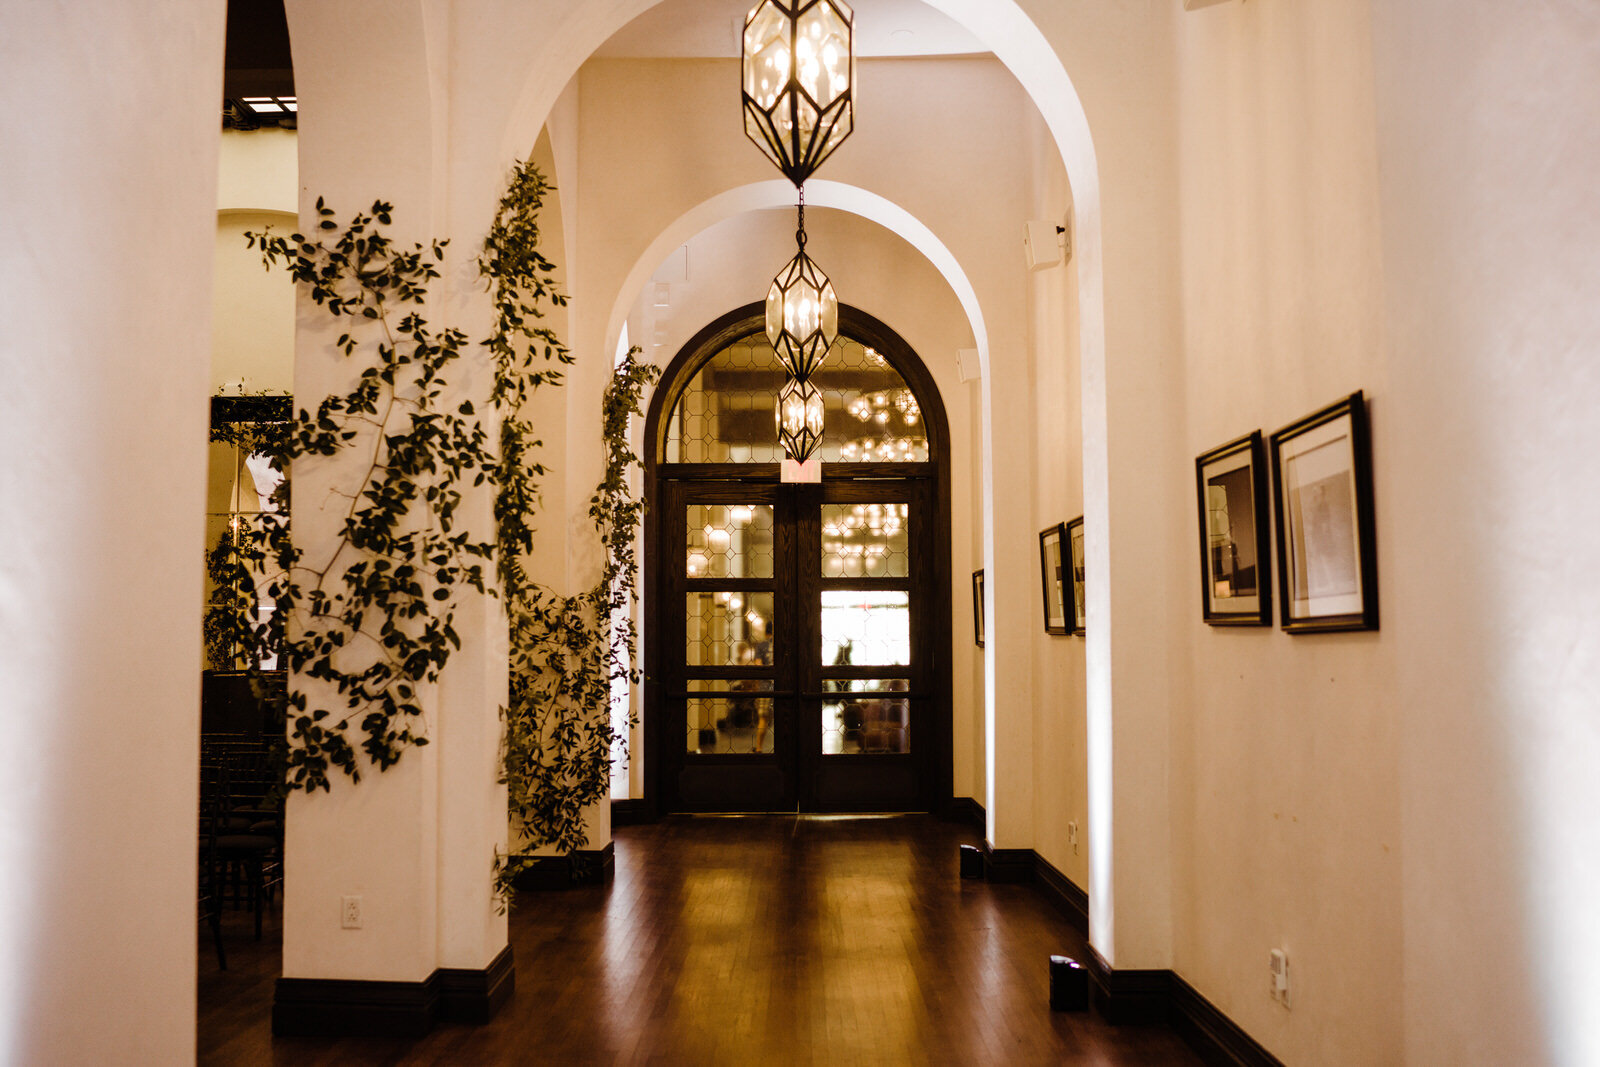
x=108, y=186
x=1286, y=822
x=1488, y=141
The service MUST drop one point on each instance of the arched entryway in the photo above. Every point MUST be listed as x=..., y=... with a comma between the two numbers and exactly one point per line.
x=798, y=634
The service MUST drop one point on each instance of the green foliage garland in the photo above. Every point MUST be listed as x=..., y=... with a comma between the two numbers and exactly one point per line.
x=559, y=740
x=372, y=615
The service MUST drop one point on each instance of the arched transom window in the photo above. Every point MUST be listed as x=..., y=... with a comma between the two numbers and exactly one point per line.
x=725, y=412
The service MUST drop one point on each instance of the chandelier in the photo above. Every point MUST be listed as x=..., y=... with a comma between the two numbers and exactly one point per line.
x=799, y=418
x=802, y=310
x=799, y=75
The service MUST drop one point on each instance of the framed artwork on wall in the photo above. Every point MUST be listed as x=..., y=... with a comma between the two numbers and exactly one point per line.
x=1235, y=557
x=1080, y=606
x=977, y=608
x=1322, y=504
x=1052, y=543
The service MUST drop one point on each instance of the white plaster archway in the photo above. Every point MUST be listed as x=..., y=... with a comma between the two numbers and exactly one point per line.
x=1005, y=27
x=819, y=193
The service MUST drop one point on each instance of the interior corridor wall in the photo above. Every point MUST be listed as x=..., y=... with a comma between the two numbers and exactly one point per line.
x=1285, y=770
x=1489, y=140
x=107, y=228
x=1060, y=709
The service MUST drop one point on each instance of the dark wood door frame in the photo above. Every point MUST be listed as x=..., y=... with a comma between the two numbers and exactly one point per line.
x=857, y=324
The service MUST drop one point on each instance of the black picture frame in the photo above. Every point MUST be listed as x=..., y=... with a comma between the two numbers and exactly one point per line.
x=1235, y=539
x=1079, y=606
x=1322, y=509
x=977, y=608
x=1052, y=549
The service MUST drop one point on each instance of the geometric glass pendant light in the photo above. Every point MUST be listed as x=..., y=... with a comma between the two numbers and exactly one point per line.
x=799, y=78
x=802, y=310
x=799, y=417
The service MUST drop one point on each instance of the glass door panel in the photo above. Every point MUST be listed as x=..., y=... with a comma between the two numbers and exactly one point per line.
x=803, y=660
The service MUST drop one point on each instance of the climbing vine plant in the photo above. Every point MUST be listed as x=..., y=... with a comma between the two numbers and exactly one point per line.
x=372, y=613
x=566, y=652
x=559, y=741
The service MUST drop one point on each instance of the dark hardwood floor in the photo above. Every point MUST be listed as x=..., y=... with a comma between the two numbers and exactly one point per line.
x=753, y=940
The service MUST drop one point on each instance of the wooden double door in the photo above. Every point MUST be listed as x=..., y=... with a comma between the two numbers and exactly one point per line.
x=798, y=666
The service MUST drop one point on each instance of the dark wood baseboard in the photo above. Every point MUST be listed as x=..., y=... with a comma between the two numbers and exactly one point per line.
x=331, y=1007
x=1217, y=1038
x=964, y=810
x=631, y=812
x=1160, y=996
x=1063, y=893
x=1127, y=996
x=1007, y=865
x=584, y=867
x=475, y=996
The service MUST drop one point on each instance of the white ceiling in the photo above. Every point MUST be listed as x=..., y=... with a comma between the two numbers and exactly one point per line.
x=698, y=29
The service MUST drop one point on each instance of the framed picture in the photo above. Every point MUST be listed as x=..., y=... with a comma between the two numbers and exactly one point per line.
x=1235, y=558
x=977, y=608
x=1080, y=606
x=1322, y=502
x=1051, y=544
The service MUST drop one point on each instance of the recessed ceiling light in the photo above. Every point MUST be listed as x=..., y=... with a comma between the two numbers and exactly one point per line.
x=262, y=105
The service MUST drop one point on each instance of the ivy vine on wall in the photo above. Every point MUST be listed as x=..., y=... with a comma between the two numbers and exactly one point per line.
x=566, y=652
x=559, y=741
x=371, y=615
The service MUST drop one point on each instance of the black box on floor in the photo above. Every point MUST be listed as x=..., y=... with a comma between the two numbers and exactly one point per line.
x=1069, y=985
x=971, y=862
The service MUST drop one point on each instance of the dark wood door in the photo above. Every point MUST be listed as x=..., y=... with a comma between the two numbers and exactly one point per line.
x=800, y=661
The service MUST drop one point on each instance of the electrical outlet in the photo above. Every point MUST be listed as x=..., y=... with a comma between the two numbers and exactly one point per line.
x=1278, y=975
x=1072, y=836
x=350, y=913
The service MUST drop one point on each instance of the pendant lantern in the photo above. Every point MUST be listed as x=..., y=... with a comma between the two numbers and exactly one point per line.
x=799, y=81
x=799, y=418
x=802, y=311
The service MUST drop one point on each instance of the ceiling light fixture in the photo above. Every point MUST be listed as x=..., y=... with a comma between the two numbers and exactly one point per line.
x=799, y=418
x=798, y=70
x=802, y=310
x=799, y=81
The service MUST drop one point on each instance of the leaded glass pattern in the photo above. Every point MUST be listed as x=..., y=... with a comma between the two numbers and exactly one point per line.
x=728, y=541
x=867, y=715
x=729, y=716
x=866, y=628
x=725, y=413
x=866, y=540
x=727, y=629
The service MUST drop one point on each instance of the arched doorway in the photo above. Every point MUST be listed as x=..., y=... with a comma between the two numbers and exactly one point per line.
x=798, y=635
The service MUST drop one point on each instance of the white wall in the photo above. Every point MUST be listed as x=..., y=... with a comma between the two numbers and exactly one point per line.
x=1488, y=142
x=107, y=217
x=1060, y=724
x=252, y=329
x=1286, y=816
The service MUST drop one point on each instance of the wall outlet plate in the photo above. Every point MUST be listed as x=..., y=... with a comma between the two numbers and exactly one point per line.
x=350, y=913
